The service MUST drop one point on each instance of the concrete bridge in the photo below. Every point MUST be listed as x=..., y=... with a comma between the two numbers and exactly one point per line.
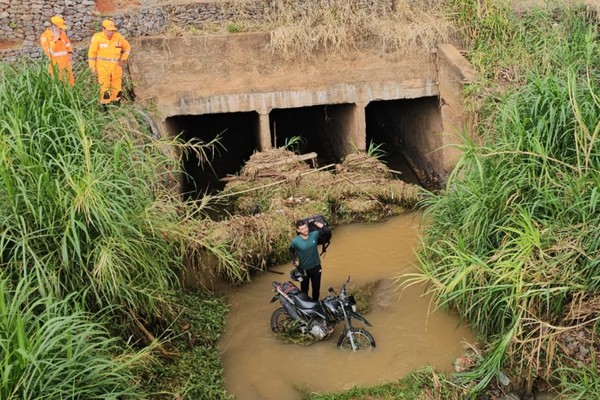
x=235, y=86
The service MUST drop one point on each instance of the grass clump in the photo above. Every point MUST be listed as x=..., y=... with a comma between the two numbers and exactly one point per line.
x=305, y=28
x=514, y=238
x=52, y=350
x=423, y=384
x=196, y=372
x=87, y=198
x=89, y=211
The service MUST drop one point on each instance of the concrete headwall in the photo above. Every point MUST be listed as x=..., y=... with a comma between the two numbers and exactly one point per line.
x=238, y=73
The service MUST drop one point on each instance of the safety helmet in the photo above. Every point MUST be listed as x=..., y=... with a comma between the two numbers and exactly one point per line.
x=58, y=21
x=296, y=275
x=109, y=25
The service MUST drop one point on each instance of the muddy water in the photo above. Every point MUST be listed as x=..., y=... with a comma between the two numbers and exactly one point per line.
x=408, y=334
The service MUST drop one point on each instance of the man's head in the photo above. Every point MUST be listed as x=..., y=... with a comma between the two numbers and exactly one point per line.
x=108, y=27
x=58, y=23
x=302, y=227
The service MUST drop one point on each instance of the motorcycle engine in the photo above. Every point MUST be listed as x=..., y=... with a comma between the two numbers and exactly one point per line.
x=317, y=331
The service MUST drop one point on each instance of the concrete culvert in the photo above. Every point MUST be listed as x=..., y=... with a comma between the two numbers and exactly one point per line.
x=408, y=131
x=237, y=133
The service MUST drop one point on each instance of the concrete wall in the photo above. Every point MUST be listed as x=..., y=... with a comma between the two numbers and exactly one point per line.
x=233, y=73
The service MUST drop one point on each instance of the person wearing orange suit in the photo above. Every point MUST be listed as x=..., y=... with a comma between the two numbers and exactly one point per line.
x=57, y=47
x=106, y=56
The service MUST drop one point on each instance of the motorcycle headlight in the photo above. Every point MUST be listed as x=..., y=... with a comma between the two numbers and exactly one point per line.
x=354, y=307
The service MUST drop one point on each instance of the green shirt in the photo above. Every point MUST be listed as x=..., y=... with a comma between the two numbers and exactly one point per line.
x=306, y=250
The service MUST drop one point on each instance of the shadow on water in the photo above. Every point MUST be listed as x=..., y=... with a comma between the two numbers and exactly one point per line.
x=408, y=333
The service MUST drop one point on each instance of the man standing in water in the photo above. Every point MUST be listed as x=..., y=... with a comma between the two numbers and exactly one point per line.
x=305, y=256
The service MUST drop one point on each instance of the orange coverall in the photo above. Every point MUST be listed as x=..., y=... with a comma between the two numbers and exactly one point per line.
x=59, y=53
x=105, y=56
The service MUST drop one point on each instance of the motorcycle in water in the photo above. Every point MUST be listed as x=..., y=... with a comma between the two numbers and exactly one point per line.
x=299, y=313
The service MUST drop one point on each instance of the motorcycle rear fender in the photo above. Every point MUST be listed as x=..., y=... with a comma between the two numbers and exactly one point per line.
x=359, y=317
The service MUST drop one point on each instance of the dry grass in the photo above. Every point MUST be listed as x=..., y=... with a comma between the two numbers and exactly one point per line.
x=304, y=28
x=275, y=188
x=364, y=295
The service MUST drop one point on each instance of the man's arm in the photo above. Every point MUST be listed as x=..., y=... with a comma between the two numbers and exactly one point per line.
x=293, y=255
x=92, y=54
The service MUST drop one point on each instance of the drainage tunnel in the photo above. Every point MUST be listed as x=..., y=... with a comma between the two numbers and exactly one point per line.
x=238, y=139
x=408, y=131
x=324, y=129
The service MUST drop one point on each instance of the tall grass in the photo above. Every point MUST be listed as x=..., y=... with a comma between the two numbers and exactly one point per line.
x=87, y=200
x=76, y=195
x=514, y=238
x=50, y=350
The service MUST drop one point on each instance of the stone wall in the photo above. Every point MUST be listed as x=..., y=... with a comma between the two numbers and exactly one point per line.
x=22, y=22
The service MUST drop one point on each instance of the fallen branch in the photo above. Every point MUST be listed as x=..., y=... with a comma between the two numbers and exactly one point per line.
x=150, y=337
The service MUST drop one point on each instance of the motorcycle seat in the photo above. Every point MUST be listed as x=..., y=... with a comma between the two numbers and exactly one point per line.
x=303, y=301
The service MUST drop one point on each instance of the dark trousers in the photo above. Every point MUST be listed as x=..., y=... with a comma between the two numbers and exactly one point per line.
x=313, y=276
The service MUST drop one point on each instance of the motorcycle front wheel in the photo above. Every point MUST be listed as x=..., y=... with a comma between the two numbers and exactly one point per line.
x=362, y=339
x=281, y=321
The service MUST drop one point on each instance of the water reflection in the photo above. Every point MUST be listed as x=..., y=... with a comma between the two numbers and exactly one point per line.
x=408, y=334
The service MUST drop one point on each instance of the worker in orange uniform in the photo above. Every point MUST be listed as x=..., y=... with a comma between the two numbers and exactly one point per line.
x=57, y=46
x=106, y=56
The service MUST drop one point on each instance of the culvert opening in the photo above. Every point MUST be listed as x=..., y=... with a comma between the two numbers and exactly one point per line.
x=238, y=134
x=324, y=129
x=408, y=131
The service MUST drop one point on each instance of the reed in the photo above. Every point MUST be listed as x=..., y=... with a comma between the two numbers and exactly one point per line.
x=514, y=237
x=51, y=350
x=87, y=198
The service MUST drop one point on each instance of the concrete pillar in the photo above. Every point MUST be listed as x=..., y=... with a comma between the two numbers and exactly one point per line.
x=264, y=132
x=358, y=135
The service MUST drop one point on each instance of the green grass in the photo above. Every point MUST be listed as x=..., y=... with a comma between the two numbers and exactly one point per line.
x=89, y=203
x=196, y=372
x=514, y=237
x=90, y=212
x=52, y=350
x=423, y=384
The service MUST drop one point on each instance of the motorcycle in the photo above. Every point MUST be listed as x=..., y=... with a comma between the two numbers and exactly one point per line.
x=300, y=314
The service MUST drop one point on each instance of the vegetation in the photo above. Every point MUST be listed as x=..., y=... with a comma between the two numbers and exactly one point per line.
x=91, y=229
x=92, y=235
x=196, y=372
x=305, y=28
x=49, y=347
x=423, y=384
x=514, y=237
x=301, y=29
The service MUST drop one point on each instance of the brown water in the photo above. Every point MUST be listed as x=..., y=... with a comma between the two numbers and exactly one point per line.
x=407, y=332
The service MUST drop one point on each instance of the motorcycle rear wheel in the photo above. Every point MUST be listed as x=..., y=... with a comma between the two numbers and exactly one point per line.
x=363, y=340
x=281, y=321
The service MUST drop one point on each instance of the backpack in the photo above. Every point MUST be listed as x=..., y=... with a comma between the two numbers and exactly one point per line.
x=324, y=232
